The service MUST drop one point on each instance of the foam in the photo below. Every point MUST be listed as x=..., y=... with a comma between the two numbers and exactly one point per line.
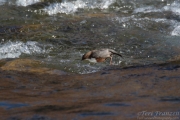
x=147, y=9
x=73, y=6
x=19, y=2
x=174, y=7
x=87, y=68
x=26, y=2
x=2, y=2
x=176, y=31
x=15, y=49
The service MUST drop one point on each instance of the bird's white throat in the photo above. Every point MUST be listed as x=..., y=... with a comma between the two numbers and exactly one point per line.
x=92, y=60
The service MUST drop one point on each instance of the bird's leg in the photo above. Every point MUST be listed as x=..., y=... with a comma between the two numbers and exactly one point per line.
x=111, y=60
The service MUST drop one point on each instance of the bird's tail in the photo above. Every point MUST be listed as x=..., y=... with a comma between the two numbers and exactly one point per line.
x=116, y=53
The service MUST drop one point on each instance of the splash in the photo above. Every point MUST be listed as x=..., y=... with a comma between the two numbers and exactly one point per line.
x=19, y=2
x=148, y=9
x=15, y=49
x=2, y=2
x=176, y=31
x=174, y=7
x=73, y=6
x=26, y=2
x=88, y=68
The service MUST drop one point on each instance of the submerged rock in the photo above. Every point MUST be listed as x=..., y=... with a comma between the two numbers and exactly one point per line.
x=10, y=29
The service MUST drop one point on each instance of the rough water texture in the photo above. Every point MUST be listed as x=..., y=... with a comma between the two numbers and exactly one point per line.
x=42, y=75
x=60, y=32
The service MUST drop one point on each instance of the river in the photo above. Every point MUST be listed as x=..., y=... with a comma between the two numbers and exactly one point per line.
x=43, y=77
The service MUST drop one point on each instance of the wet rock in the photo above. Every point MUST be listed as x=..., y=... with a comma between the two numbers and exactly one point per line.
x=120, y=94
x=175, y=60
x=27, y=65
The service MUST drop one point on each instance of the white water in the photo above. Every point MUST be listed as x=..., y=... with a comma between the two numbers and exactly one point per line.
x=26, y=2
x=176, y=31
x=147, y=9
x=72, y=7
x=2, y=2
x=66, y=6
x=19, y=2
x=174, y=7
x=15, y=49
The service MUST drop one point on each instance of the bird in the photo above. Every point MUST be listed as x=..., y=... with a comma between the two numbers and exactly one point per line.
x=100, y=55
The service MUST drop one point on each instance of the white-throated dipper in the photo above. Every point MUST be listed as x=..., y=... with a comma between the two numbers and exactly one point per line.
x=100, y=55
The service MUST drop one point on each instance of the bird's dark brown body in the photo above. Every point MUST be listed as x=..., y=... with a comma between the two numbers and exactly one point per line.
x=100, y=55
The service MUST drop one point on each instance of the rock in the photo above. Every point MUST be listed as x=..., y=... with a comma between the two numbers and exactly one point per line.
x=174, y=60
x=28, y=65
x=119, y=95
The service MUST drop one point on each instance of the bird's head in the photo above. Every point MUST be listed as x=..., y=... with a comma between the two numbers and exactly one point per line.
x=87, y=55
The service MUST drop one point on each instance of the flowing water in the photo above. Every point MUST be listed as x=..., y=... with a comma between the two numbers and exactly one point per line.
x=59, y=32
